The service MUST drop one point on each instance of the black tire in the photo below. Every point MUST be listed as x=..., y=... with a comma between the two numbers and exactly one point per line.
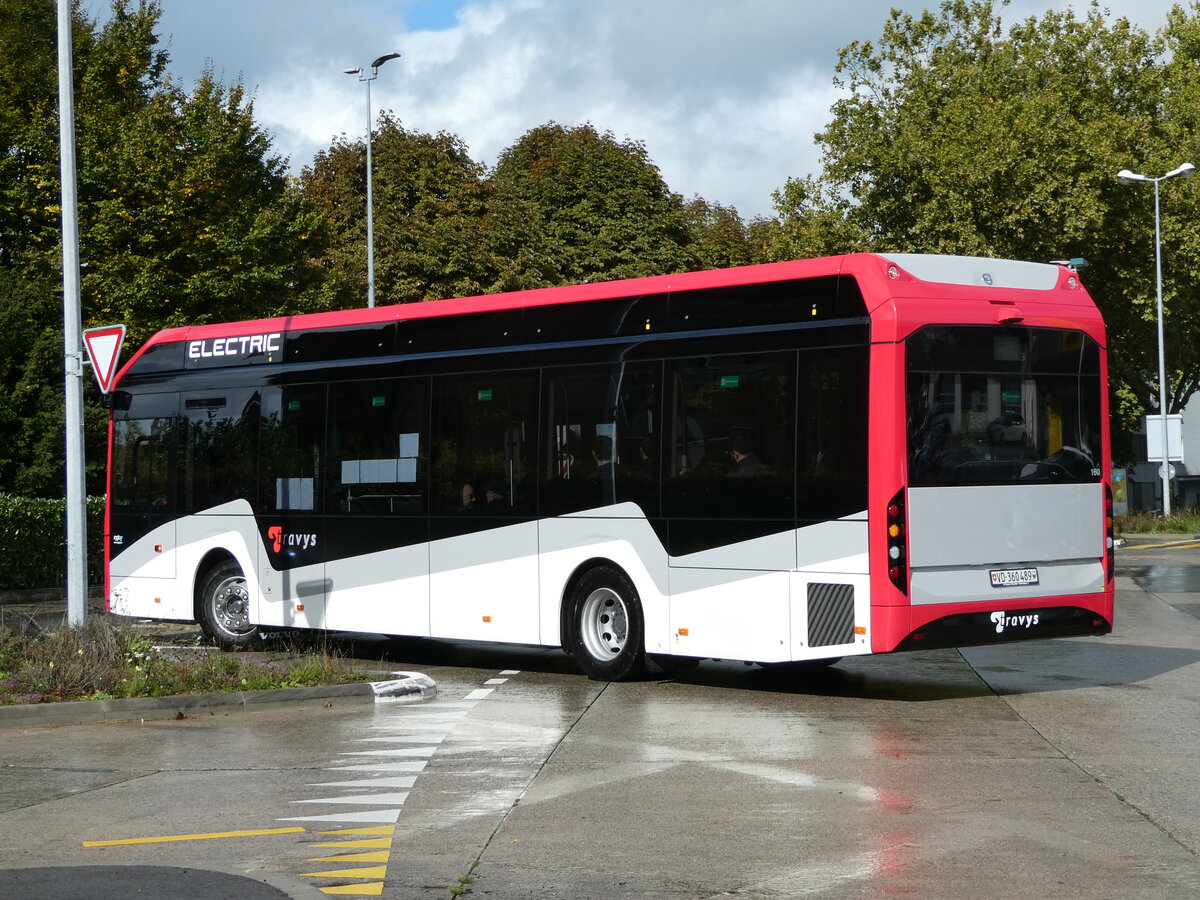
x=224, y=612
x=607, y=631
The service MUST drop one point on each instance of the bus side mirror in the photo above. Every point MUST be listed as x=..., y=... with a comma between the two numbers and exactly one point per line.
x=117, y=400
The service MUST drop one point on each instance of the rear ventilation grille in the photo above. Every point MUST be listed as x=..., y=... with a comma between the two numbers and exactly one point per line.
x=830, y=614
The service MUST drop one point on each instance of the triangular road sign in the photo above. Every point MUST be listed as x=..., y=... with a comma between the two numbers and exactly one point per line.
x=104, y=349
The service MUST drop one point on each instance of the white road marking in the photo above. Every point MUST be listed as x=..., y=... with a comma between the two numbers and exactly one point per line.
x=414, y=766
x=360, y=798
x=478, y=694
x=401, y=781
x=369, y=817
x=405, y=739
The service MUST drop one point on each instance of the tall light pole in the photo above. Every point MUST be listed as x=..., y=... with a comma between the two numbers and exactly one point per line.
x=77, y=585
x=1187, y=170
x=367, y=79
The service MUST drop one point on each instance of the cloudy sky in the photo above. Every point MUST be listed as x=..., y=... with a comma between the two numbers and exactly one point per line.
x=725, y=94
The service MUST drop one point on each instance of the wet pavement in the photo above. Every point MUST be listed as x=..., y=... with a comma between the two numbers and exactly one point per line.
x=1060, y=768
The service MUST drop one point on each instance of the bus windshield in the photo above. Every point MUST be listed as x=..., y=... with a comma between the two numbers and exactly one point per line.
x=990, y=405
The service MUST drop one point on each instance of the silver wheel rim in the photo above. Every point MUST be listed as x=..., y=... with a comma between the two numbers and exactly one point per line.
x=231, y=606
x=604, y=624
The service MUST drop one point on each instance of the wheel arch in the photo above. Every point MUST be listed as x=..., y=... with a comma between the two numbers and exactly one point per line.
x=208, y=562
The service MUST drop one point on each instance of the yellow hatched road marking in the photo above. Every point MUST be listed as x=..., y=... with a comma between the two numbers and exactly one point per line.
x=364, y=872
x=356, y=890
x=166, y=839
x=378, y=856
x=368, y=844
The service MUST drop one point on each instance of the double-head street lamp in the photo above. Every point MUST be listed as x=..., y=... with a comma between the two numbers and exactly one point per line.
x=367, y=79
x=1187, y=170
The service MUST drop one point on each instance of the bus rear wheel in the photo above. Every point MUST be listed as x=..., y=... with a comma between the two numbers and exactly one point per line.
x=225, y=607
x=607, y=634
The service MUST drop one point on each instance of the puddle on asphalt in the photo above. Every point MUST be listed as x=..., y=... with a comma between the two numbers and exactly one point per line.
x=1164, y=579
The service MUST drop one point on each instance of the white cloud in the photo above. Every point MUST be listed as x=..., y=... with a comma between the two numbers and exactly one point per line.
x=725, y=94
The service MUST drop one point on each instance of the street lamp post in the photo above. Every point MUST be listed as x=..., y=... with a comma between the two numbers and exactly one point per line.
x=1187, y=170
x=367, y=79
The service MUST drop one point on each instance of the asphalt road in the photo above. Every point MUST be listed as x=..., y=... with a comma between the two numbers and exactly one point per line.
x=1060, y=768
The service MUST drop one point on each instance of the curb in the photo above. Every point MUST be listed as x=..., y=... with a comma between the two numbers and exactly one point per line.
x=1157, y=537
x=404, y=687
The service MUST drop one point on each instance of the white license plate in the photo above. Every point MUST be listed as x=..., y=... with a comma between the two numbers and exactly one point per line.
x=1013, y=577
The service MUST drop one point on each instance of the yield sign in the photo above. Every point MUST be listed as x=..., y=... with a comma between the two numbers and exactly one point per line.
x=104, y=348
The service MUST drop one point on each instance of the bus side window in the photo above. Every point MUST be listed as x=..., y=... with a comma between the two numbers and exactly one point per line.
x=292, y=447
x=732, y=437
x=219, y=447
x=484, y=436
x=602, y=437
x=832, y=464
x=377, y=444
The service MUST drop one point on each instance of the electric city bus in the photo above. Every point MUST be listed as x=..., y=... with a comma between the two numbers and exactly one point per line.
x=784, y=463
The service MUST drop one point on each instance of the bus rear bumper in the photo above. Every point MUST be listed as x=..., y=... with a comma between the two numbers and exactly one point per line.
x=900, y=628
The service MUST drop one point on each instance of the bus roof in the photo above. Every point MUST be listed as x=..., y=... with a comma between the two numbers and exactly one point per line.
x=882, y=277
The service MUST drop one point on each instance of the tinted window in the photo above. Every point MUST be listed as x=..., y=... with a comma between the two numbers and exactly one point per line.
x=603, y=437
x=732, y=437
x=342, y=343
x=774, y=303
x=378, y=449
x=1002, y=405
x=293, y=445
x=593, y=320
x=484, y=444
x=832, y=441
x=142, y=452
x=219, y=445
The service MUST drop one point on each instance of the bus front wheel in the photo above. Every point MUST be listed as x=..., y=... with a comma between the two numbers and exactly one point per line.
x=607, y=627
x=225, y=607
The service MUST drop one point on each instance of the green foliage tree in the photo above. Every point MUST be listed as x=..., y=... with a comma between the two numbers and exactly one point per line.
x=431, y=205
x=184, y=214
x=956, y=136
x=720, y=238
x=590, y=207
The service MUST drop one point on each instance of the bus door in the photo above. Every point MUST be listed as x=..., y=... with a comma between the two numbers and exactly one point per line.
x=291, y=536
x=144, y=504
x=483, y=551
x=728, y=497
x=377, y=560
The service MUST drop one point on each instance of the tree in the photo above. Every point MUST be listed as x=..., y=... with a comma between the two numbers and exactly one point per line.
x=184, y=214
x=957, y=137
x=719, y=236
x=431, y=206
x=595, y=208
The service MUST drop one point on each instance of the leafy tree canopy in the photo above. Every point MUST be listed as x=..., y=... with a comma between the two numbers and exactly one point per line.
x=958, y=136
x=598, y=207
x=184, y=214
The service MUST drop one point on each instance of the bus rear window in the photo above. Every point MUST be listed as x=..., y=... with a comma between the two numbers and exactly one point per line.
x=991, y=405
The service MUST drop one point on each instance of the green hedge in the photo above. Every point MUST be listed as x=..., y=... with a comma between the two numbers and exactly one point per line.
x=33, y=535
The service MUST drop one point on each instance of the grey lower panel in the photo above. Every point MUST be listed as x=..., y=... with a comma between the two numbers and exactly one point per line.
x=973, y=584
x=830, y=614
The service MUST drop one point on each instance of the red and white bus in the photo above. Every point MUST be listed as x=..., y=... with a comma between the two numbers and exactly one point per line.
x=791, y=462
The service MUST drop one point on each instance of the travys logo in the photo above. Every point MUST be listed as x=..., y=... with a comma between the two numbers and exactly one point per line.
x=1003, y=620
x=280, y=539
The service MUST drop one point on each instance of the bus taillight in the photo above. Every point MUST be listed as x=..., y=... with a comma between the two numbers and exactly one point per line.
x=1109, y=547
x=897, y=543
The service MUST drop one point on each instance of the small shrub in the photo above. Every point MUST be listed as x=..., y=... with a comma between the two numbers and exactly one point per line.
x=103, y=660
x=1150, y=522
x=33, y=532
